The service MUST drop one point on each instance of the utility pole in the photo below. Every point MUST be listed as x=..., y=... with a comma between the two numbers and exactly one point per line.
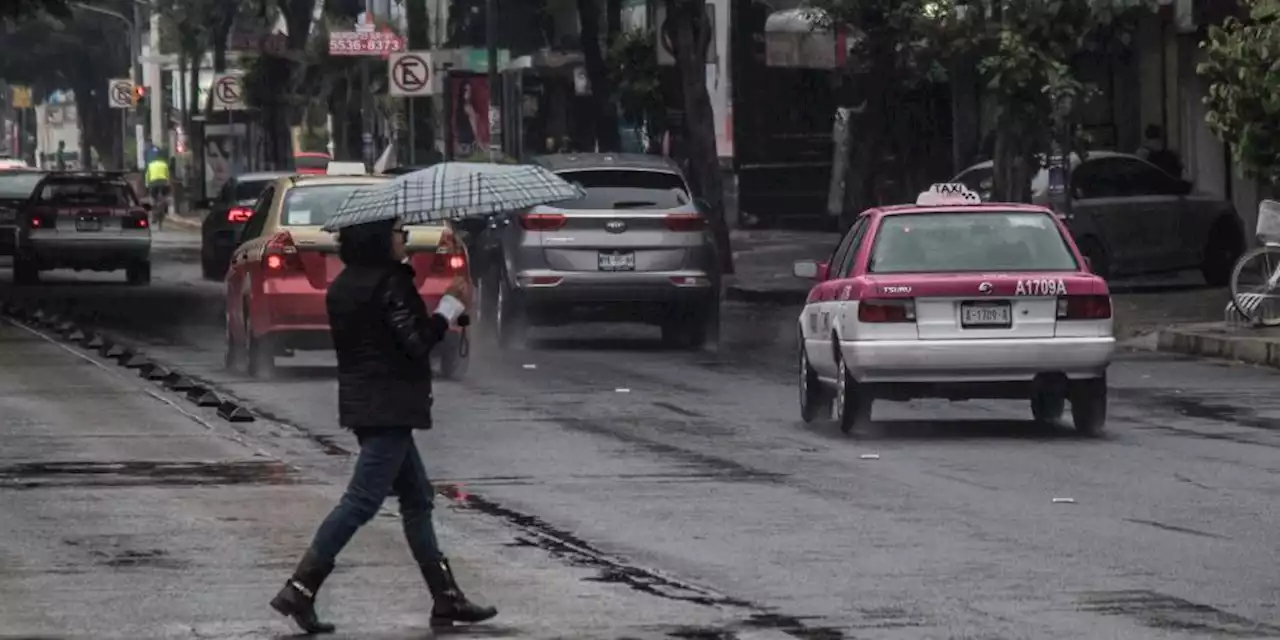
x=135, y=45
x=495, y=82
x=158, y=97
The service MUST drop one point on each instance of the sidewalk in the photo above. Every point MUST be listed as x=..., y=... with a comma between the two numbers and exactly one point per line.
x=1260, y=346
x=188, y=220
x=764, y=258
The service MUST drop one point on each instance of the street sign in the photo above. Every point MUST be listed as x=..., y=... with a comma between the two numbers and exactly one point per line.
x=228, y=93
x=411, y=74
x=120, y=93
x=666, y=34
x=21, y=97
x=364, y=43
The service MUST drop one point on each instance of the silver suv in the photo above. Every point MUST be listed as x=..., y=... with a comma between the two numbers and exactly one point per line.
x=635, y=249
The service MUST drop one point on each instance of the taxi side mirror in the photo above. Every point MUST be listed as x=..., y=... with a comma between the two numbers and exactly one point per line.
x=809, y=270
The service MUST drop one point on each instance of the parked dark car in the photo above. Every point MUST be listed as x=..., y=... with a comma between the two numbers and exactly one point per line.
x=228, y=211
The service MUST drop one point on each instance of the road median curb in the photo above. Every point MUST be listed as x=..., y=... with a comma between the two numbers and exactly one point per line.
x=1213, y=341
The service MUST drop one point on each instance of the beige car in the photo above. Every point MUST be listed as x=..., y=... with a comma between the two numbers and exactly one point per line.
x=1131, y=218
x=280, y=272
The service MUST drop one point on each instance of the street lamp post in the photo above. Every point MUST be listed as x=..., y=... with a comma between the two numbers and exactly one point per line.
x=495, y=81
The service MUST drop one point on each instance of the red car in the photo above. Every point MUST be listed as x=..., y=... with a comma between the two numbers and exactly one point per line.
x=957, y=299
x=276, y=285
x=311, y=163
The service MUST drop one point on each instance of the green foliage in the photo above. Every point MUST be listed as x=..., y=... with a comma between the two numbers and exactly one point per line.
x=634, y=67
x=911, y=29
x=1243, y=70
x=13, y=11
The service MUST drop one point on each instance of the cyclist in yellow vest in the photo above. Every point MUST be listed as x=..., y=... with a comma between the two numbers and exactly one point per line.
x=158, y=187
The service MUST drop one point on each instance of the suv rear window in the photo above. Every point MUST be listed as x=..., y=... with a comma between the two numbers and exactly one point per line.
x=970, y=242
x=312, y=206
x=627, y=189
x=87, y=193
x=250, y=189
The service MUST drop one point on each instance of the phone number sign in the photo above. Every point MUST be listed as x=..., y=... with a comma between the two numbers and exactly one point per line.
x=367, y=43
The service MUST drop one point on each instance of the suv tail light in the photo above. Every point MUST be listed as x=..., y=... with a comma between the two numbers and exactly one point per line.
x=43, y=218
x=280, y=256
x=542, y=221
x=684, y=222
x=239, y=215
x=1090, y=307
x=883, y=311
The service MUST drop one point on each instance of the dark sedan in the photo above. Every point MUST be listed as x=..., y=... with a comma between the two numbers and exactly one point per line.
x=228, y=211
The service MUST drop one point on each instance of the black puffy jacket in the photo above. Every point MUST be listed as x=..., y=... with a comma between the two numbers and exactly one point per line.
x=383, y=335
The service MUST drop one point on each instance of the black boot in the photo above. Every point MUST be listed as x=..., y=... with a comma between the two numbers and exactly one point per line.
x=450, y=605
x=298, y=597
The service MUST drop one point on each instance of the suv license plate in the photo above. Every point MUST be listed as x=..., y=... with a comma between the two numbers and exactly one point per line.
x=985, y=314
x=617, y=261
x=88, y=224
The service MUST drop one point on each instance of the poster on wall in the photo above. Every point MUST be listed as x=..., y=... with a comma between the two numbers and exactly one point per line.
x=469, y=114
x=226, y=147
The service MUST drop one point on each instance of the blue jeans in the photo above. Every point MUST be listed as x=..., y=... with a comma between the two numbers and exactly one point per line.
x=388, y=462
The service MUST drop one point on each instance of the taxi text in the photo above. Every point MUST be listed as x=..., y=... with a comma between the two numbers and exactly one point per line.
x=1041, y=287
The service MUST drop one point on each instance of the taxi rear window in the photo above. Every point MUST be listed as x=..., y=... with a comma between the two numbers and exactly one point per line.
x=312, y=206
x=941, y=242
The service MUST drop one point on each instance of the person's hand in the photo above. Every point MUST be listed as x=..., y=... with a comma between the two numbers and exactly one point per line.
x=460, y=289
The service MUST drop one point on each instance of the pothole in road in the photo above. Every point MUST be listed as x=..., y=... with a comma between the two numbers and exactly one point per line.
x=36, y=475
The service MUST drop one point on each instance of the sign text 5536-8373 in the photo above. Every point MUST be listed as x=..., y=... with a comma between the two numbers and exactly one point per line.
x=371, y=43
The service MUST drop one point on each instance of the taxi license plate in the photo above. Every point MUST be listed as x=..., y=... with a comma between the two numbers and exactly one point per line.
x=985, y=314
x=88, y=224
x=617, y=261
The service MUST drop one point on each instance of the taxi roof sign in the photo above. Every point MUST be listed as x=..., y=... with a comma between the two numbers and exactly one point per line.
x=948, y=193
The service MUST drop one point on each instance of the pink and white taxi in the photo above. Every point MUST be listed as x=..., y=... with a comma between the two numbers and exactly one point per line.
x=958, y=299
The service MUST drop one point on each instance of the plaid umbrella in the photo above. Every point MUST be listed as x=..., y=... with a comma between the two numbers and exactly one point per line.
x=453, y=190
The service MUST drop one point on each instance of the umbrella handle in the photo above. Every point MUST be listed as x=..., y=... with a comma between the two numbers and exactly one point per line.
x=464, y=344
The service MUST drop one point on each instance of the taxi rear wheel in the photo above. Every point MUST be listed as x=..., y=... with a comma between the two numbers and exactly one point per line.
x=25, y=272
x=812, y=394
x=138, y=273
x=260, y=355
x=233, y=359
x=1089, y=405
x=1047, y=407
x=853, y=404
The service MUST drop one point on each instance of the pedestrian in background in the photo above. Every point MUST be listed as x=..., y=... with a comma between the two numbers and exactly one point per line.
x=383, y=336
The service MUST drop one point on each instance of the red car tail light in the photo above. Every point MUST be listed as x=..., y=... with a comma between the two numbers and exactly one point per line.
x=542, y=221
x=886, y=311
x=450, y=257
x=43, y=218
x=1091, y=307
x=135, y=220
x=684, y=222
x=239, y=215
x=280, y=256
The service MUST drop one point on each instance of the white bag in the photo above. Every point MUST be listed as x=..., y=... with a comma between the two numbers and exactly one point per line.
x=1268, y=231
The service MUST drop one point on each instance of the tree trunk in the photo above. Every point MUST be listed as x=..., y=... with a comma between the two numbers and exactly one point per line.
x=1013, y=160
x=100, y=129
x=606, y=114
x=423, y=143
x=613, y=21
x=692, y=34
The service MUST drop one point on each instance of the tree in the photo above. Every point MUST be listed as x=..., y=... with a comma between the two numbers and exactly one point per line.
x=1243, y=74
x=692, y=33
x=637, y=77
x=1027, y=51
x=12, y=11
x=602, y=89
x=79, y=52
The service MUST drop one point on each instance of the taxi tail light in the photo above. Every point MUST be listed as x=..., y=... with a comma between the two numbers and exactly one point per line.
x=1091, y=307
x=542, y=221
x=886, y=311
x=280, y=256
x=450, y=257
x=684, y=222
x=239, y=215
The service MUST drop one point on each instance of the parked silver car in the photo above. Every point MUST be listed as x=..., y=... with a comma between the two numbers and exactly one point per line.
x=635, y=249
x=1129, y=217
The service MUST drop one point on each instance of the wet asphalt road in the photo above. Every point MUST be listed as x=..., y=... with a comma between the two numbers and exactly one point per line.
x=600, y=483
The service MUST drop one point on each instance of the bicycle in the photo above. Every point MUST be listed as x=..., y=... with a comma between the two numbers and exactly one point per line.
x=1260, y=303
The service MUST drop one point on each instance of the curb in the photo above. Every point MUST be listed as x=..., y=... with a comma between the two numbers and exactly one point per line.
x=65, y=328
x=182, y=222
x=783, y=297
x=1201, y=340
